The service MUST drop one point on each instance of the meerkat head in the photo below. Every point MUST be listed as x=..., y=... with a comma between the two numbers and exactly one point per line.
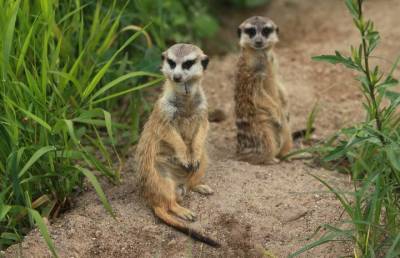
x=258, y=33
x=184, y=64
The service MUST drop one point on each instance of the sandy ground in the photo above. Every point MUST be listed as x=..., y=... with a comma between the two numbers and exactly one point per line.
x=256, y=211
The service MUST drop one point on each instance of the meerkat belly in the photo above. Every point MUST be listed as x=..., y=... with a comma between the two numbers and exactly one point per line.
x=253, y=115
x=166, y=162
x=249, y=138
x=187, y=128
x=169, y=168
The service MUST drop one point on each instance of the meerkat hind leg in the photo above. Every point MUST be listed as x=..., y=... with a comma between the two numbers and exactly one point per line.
x=287, y=144
x=271, y=146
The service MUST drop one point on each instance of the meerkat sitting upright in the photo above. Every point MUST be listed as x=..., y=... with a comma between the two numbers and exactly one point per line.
x=262, y=117
x=171, y=155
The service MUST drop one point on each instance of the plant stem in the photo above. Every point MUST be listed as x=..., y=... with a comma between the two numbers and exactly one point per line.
x=371, y=85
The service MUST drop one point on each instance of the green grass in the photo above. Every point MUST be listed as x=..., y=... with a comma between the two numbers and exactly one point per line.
x=63, y=66
x=368, y=151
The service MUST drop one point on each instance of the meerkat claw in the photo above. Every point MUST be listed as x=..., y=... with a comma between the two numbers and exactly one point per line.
x=195, y=166
x=188, y=167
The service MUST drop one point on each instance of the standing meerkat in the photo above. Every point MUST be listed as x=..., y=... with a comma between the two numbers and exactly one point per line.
x=171, y=155
x=261, y=106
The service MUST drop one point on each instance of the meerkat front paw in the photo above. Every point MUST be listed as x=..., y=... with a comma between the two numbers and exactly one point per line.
x=184, y=162
x=191, y=167
x=203, y=189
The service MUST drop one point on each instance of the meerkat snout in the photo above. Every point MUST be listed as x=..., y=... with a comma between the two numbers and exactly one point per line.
x=184, y=65
x=258, y=33
x=177, y=78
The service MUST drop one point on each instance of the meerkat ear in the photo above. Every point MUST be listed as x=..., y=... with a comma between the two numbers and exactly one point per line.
x=277, y=30
x=163, y=56
x=204, y=62
x=239, y=32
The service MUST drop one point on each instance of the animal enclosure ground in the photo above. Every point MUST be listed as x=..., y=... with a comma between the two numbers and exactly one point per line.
x=256, y=210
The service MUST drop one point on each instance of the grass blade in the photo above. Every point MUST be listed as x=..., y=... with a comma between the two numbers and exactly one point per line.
x=43, y=230
x=39, y=153
x=104, y=69
x=93, y=180
x=8, y=38
x=140, y=87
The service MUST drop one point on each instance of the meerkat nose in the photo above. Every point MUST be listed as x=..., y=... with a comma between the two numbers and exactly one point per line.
x=177, y=78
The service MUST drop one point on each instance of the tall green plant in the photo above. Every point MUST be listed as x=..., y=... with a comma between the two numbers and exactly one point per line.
x=370, y=151
x=60, y=66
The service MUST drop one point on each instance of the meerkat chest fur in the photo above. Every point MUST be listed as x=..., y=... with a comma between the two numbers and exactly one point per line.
x=260, y=73
x=185, y=111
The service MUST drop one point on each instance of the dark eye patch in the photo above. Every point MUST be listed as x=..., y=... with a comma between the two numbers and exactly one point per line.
x=250, y=31
x=266, y=31
x=187, y=64
x=171, y=63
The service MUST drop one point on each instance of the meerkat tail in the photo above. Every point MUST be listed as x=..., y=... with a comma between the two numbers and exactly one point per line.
x=301, y=133
x=171, y=221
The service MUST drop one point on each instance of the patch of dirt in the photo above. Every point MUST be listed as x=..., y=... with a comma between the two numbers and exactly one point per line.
x=256, y=211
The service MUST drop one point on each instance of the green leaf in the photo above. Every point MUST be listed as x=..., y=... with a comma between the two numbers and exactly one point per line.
x=92, y=85
x=25, y=46
x=117, y=81
x=353, y=8
x=136, y=88
x=388, y=83
x=394, y=250
x=35, y=118
x=93, y=180
x=71, y=131
x=394, y=66
x=4, y=210
x=107, y=119
x=343, y=200
x=393, y=155
x=323, y=240
x=7, y=40
x=337, y=59
x=40, y=152
x=10, y=236
x=43, y=230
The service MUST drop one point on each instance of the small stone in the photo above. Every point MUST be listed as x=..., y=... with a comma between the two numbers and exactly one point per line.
x=172, y=242
x=293, y=214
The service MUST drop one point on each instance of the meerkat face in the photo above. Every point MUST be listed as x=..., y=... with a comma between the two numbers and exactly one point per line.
x=259, y=33
x=184, y=64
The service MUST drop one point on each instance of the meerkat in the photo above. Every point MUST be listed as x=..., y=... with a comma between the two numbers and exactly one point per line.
x=171, y=154
x=261, y=106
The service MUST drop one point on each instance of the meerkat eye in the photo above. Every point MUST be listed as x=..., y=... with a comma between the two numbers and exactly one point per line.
x=266, y=31
x=251, y=32
x=187, y=64
x=171, y=63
